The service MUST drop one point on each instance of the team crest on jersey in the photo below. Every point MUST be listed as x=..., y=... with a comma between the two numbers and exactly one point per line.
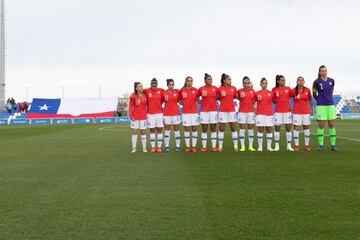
x=158, y=92
x=150, y=95
x=193, y=92
x=223, y=93
x=213, y=89
x=232, y=90
x=286, y=91
x=330, y=83
x=174, y=94
x=269, y=94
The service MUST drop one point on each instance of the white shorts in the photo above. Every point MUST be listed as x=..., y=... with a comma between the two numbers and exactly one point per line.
x=246, y=117
x=208, y=117
x=190, y=119
x=155, y=120
x=282, y=118
x=264, y=121
x=138, y=124
x=227, y=117
x=170, y=120
x=301, y=119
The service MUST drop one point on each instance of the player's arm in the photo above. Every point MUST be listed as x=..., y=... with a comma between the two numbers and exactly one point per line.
x=315, y=90
x=131, y=107
x=311, y=104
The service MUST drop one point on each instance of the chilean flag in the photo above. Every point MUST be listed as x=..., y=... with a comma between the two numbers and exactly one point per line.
x=71, y=108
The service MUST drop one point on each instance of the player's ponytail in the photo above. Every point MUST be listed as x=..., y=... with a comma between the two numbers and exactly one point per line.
x=206, y=76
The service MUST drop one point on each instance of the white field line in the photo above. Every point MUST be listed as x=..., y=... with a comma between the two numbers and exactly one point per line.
x=111, y=128
x=345, y=138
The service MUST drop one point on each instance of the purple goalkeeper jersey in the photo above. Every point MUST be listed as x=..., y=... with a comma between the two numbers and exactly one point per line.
x=323, y=91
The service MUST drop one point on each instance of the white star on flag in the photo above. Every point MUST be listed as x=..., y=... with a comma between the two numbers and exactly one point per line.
x=45, y=107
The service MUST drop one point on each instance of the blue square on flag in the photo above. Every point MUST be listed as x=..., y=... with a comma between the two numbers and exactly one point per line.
x=45, y=106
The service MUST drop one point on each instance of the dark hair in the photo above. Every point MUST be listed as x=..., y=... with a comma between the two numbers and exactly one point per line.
x=297, y=86
x=223, y=78
x=262, y=80
x=206, y=76
x=169, y=81
x=135, y=86
x=186, y=80
x=277, y=78
x=246, y=78
x=154, y=80
x=322, y=66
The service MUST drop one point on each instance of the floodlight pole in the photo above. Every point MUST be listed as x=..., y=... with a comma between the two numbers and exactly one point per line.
x=2, y=56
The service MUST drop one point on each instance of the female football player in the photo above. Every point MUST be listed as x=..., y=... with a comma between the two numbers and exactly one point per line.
x=208, y=112
x=155, y=115
x=282, y=95
x=323, y=89
x=303, y=108
x=246, y=115
x=226, y=95
x=264, y=115
x=171, y=98
x=137, y=114
x=190, y=115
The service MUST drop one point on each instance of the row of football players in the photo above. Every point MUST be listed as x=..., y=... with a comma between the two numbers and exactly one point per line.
x=157, y=108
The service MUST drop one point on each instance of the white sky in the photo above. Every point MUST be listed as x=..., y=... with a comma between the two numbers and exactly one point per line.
x=116, y=42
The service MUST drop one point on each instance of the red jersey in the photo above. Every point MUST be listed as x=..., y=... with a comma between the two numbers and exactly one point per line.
x=247, y=100
x=189, y=99
x=137, y=107
x=171, y=100
x=301, y=101
x=264, y=100
x=154, y=100
x=282, y=99
x=208, y=98
x=227, y=95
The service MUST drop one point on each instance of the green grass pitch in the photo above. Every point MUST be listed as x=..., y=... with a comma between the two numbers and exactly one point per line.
x=79, y=182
